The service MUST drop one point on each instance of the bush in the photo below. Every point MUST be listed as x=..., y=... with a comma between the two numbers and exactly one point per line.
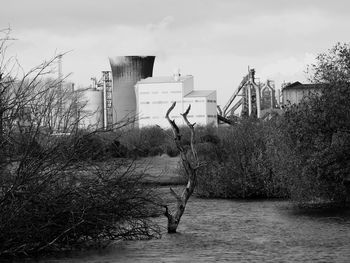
x=144, y=142
x=237, y=166
x=318, y=134
x=67, y=207
x=171, y=150
x=90, y=146
x=117, y=150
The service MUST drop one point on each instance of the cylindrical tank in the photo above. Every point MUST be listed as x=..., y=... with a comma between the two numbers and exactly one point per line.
x=126, y=71
x=93, y=117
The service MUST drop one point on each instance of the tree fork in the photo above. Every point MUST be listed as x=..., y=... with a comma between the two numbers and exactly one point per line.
x=190, y=168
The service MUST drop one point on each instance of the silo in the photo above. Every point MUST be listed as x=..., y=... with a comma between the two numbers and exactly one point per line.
x=126, y=71
x=92, y=112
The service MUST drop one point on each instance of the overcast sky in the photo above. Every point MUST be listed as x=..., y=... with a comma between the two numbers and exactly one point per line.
x=214, y=40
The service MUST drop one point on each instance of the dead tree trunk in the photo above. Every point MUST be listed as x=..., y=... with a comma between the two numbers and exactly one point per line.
x=190, y=168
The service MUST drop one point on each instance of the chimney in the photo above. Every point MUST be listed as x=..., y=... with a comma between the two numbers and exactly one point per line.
x=177, y=74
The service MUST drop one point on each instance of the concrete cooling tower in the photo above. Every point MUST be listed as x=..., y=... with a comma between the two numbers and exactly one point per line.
x=126, y=71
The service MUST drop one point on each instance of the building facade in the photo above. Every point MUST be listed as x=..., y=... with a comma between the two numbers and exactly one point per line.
x=294, y=93
x=155, y=95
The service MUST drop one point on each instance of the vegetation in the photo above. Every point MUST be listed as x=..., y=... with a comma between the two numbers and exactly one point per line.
x=238, y=164
x=318, y=131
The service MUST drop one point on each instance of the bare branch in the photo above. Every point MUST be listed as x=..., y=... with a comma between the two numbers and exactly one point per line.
x=178, y=198
x=174, y=127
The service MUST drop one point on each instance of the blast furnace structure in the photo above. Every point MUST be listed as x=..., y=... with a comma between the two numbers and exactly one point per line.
x=126, y=72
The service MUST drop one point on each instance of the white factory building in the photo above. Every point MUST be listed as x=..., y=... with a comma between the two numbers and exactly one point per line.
x=154, y=96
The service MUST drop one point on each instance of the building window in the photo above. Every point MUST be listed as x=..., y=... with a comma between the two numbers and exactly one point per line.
x=155, y=92
x=144, y=102
x=200, y=115
x=199, y=100
x=144, y=92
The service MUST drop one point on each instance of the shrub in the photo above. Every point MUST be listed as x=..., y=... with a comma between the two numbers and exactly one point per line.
x=67, y=212
x=171, y=150
x=90, y=146
x=144, y=142
x=317, y=131
x=117, y=150
x=238, y=167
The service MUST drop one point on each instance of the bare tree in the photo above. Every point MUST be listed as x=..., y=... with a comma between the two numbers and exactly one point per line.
x=190, y=164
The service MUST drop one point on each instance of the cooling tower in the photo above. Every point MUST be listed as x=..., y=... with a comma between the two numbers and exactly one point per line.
x=126, y=71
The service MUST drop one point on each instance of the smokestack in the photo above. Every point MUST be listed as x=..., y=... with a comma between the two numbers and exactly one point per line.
x=177, y=74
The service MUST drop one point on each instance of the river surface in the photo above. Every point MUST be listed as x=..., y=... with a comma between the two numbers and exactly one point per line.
x=237, y=231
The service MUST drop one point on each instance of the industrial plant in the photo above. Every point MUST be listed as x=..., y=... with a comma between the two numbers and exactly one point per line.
x=130, y=93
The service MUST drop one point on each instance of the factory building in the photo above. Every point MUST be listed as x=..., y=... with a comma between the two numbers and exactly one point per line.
x=156, y=94
x=126, y=71
x=294, y=93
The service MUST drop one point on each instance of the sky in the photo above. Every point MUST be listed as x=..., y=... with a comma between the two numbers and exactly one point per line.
x=213, y=40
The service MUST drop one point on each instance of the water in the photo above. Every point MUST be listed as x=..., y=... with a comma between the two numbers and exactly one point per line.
x=237, y=231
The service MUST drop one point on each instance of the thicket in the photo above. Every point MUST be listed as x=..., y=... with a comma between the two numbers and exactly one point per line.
x=50, y=207
x=318, y=141
x=237, y=164
x=317, y=132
